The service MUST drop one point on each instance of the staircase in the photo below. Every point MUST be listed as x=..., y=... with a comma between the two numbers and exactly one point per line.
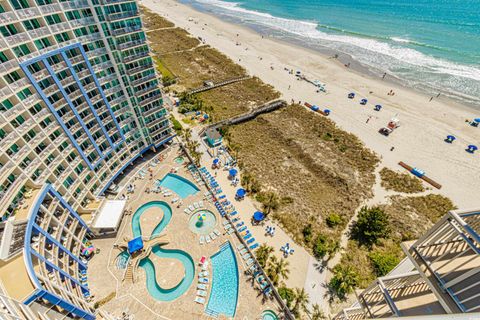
x=128, y=276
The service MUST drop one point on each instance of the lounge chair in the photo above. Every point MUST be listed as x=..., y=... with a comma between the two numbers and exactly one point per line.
x=202, y=286
x=242, y=229
x=243, y=251
x=203, y=274
x=227, y=226
x=201, y=293
x=235, y=219
x=213, y=236
x=241, y=223
x=203, y=280
x=195, y=204
x=200, y=300
x=207, y=239
x=217, y=232
x=202, y=240
x=254, y=246
x=175, y=199
x=249, y=262
x=252, y=240
x=192, y=208
x=230, y=231
x=233, y=213
x=240, y=246
x=186, y=211
x=225, y=222
x=200, y=203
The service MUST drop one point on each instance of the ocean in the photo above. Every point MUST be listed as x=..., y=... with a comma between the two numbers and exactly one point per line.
x=429, y=45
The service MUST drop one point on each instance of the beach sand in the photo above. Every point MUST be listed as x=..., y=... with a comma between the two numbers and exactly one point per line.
x=419, y=141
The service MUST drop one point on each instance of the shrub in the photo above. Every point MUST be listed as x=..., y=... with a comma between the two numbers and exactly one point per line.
x=383, y=262
x=333, y=220
x=372, y=224
x=324, y=246
x=307, y=233
x=177, y=126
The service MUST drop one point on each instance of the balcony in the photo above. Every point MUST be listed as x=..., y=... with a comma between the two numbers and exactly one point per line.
x=130, y=29
x=18, y=181
x=96, y=52
x=19, y=84
x=20, y=153
x=13, y=111
x=114, y=1
x=106, y=79
x=28, y=13
x=40, y=32
x=77, y=4
x=121, y=15
x=31, y=100
x=143, y=79
x=156, y=121
x=135, y=57
x=82, y=22
x=113, y=90
x=102, y=66
x=50, y=8
x=9, y=139
x=42, y=113
x=7, y=17
x=5, y=91
x=140, y=69
x=6, y=168
x=139, y=93
x=40, y=75
x=24, y=127
x=117, y=100
x=131, y=44
x=57, y=67
x=151, y=99
x=8, y=66
x=17, y=39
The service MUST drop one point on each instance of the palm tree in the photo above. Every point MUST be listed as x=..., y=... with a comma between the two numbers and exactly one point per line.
x=263, y=254
x=246, y=181
x=277, y=270
x=187, y=134
x=317, y=313
x=300, y=302
x=344, y=281
x=270, y=202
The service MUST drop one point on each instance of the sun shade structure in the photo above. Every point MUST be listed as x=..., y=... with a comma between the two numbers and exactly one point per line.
x=472, y=148
x=450, y=139
x=215, y=161
x=378, y=107
x=241, y=193
x=110, y=215
x=351, y=95
x=258, y=216
x=232, y=172
x=135, y=245
x=363, y=101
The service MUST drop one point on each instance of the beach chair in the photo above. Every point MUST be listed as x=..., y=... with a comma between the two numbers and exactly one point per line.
x=252, y=240
x=202, y=286
x=230, y=231
x=242, y=229
x=233, y=213
x=200, y=203
x=240, y=246
x=225, y=222
x=217, y=232
x=250, y=262
x=240, y=224
x=235, y=219
x=201, y=293
x=203, y=280
x=187, y=211
x=248, y=236
x=227, y=226
x=207, y=239
x=202, y=240
x=254, y=246
x=200, y=300
x=191, y=208
x=243, y=251
x=246, y=256
x=175, y=199
x=213, y=236
x=195, y=204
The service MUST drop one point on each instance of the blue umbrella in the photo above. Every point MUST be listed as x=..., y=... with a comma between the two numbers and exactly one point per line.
x=378, y=107
x=327, y=112
x=258, y=216
x=351, y=95
x=477, y=120
x=363, y=101
x=450, y=139
x=315, y=108
x=216, y=160
x=241, y=193
x=233, y=172
x=472, y=148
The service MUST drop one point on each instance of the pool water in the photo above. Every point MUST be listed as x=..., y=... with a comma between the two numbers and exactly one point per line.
x=224, y=293
x=269, y=315
x=147, y=265
x=181, y=186
x=179, y=160
x=122, y=260
x=202, y=227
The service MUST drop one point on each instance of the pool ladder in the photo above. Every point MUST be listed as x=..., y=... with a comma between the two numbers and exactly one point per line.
x=211, y=313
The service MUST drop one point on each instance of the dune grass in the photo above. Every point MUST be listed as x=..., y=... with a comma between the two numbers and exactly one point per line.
x=152, y=21
x=171, y=40
x=400, y=182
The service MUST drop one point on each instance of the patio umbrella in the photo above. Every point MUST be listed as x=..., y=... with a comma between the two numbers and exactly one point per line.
x=233, y=172
x=216, y=160
x=315, y=108
x=472, y=148
x=258, y=216
x=327, y=112
x=241, y=193
x=378, y=107
x=450, y=138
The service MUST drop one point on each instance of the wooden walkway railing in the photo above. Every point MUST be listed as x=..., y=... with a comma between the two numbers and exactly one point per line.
x=216, y=85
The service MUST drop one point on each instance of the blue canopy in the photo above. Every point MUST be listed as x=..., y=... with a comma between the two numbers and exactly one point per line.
x=351, y=95
x=241, y=193
x=135, y=245
x=363, y=101
x=477, y=120
x=315, y=108
x=258, y=216
x=378, y=107
x=216, y=160
x=451, y=138
x=233, y=172
x=327, y=111
x=472, y=147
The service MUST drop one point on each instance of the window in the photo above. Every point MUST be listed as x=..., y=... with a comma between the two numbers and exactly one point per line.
x=17, y=121
x=43, y=2
x=6, y=105
x=12, y=77
x=19, y=4
x=35, y=109
x=8, y=30
x=62, y=37
x=21, y=50
x=3, y=57
x=42, y=43
x=24, y=94
x=53, y=19
x=31, y=24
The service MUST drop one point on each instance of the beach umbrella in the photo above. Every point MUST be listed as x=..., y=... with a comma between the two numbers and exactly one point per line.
x=378, y=107
x=201, y=216
x=472, y=148
x=327, y=112
x=215, y=161
x=351, y=95
x=258, y=216
x=450, y=139
x=233, y=172
x=363, y=101
x=315, y=108
x=241, y=193
x=477, y=120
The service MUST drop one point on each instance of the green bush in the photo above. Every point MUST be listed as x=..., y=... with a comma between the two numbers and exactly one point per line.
x=383, y=262
x=324, y=246
x=307, y=233
x=287, y=294
x=372, y=225
x=333, y=220
x=177, y=126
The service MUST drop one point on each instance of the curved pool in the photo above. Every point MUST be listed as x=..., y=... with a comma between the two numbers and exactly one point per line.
x=181, y=186
x=146, y=264
x=224, y=294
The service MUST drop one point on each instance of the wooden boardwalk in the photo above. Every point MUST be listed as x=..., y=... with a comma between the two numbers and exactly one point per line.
x=216, y=85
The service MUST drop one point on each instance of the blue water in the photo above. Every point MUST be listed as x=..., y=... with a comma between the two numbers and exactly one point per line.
x=181, y=186
x=202, y=227
x=433, y=45
x=153, y=287
x=224, y=293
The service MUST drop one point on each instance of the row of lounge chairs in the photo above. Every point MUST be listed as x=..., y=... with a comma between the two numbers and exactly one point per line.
x=210, y=237
x=202, y=285
x=194, y=207
x=242, y=229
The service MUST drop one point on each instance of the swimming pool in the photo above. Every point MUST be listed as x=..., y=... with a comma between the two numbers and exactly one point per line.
x=202, y=227
x=146, y=264
x=122, y=259
x=224, y=294
x=181, y=186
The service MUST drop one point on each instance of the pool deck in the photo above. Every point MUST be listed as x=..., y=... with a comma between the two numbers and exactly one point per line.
x=104, y=278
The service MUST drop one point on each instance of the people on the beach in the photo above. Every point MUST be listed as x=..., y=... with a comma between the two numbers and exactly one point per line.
x=384, y=75
x=391, y=93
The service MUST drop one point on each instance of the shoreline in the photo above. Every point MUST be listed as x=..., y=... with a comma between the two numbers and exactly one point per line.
x=455, y=98
x=419, y=140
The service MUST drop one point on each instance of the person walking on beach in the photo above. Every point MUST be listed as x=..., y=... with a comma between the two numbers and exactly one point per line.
x=289, y=87
x=384, y=75
x=431, y=98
